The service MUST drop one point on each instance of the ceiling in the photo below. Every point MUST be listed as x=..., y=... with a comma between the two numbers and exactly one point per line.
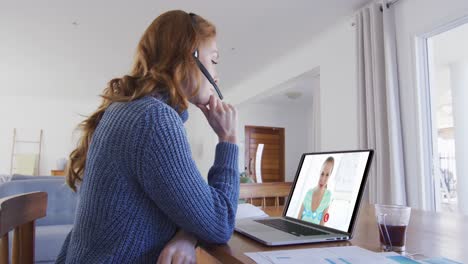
x=73, y=48
x=304, y=87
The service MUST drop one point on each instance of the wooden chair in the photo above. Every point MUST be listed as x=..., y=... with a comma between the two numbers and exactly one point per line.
x=19, y=213
x=265, y=190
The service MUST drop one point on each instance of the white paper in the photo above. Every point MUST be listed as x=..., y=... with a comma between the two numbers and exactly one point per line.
x=330, y=255
x=247, y=210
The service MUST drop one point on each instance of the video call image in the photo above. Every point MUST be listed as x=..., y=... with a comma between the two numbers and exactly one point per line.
x=327, y=189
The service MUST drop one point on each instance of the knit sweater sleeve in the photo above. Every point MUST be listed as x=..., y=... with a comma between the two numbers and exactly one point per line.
x=170, y=177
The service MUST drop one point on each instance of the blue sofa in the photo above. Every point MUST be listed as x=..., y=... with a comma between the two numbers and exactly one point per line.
x=21, y=177
x=61, y=204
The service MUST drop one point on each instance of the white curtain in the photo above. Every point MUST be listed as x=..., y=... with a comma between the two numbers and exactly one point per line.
x=379, y=108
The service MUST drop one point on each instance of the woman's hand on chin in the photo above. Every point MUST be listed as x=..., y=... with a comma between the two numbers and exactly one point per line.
x=222, y=117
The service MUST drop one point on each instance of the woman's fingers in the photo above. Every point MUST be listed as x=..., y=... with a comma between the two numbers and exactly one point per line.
x=222, y=117
x=178, y=259
x=165, y=257
x=233, y=109
x=226, y=107
x=219, y=105
x=213, y=102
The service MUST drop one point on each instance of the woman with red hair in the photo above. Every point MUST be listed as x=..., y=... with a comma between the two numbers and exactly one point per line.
x=141, y=196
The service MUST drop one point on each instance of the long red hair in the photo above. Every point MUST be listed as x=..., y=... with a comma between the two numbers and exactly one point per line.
x=163, y=65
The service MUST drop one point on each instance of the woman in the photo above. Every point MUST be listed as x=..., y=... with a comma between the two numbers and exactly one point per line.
x=142, y=198
x=316, y=202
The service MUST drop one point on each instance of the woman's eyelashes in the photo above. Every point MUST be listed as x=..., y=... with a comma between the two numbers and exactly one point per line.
x=214, y=62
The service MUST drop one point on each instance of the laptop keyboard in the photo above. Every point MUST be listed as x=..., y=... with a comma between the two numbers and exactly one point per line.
x=291, y=228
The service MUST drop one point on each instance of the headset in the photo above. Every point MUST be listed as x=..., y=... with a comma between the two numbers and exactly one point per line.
x=201, y=67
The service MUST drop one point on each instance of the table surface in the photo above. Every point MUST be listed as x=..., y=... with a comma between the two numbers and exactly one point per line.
x=429, y=234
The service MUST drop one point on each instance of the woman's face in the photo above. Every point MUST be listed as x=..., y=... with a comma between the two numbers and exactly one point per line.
x=325, y=174
x=208, y=56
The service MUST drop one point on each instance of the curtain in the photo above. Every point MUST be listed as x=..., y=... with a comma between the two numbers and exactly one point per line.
x=379, y=118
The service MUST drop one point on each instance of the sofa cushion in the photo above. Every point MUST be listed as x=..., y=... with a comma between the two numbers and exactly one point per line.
x=49, y=241
x=21, y=177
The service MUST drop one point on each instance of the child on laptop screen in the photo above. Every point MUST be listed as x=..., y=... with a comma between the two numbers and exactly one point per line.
x=317, y=200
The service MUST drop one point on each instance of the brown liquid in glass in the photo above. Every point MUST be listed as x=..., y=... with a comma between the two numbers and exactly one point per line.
x=397, y=235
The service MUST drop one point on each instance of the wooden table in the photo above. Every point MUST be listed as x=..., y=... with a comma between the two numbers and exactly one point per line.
x=430, y=234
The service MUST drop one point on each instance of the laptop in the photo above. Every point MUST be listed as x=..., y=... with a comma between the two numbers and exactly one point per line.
x=322, y=205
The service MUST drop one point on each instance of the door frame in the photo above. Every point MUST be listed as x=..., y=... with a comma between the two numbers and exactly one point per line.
x=283, y=150
x=428, y=132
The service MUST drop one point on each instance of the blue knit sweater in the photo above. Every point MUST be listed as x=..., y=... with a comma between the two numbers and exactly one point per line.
x=141, y=185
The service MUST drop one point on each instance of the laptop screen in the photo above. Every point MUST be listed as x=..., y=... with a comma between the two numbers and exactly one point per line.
x=327, y=187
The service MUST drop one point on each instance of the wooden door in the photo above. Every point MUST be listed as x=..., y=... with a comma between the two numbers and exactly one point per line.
x=272, y=164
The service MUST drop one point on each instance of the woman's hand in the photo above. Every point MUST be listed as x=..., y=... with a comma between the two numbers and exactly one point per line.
x=179, y=250
x=222, y=117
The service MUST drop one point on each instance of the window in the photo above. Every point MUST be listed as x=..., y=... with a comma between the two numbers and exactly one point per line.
x=447, y=82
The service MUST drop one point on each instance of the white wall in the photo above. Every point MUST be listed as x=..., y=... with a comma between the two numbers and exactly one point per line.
x=309, y=124
x=290, y=117
x=202, y=140
x=334, y=52
x=298, y=136
x=58, y=117
x=414, y=18
x=296, y=120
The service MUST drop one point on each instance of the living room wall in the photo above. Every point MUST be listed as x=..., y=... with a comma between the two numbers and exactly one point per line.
x=293, y=118
x=289, y=117
x=333, y=51
x=56, y=116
